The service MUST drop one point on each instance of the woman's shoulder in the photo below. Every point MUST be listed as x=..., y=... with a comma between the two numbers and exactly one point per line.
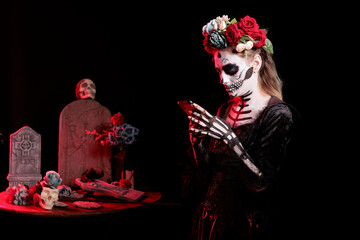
x=277, y=108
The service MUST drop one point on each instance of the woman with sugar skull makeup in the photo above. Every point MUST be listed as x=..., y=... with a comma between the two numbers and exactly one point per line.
x=239, y=151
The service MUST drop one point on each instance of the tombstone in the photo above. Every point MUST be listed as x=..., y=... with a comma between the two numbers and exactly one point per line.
x=79, y=151
x=24, y=157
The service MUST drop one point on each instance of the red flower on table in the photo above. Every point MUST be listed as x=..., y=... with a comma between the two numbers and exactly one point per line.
x=125, y=183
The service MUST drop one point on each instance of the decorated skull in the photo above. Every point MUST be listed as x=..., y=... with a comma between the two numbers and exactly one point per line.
x=48, y=198
x=85, y=89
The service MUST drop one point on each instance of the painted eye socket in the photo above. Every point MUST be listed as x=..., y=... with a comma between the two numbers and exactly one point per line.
x=230, y=69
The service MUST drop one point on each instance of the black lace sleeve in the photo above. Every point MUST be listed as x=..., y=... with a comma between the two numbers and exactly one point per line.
x=263, y=147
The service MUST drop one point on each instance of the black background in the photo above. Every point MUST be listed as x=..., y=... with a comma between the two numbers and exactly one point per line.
x=143, y=58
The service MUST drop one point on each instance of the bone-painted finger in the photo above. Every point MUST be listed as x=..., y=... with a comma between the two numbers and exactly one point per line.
x=194, y=132
x=203, y=132
x=197, y=121
x=202, y=110
x=198, y=131
x=216, y=131
x=202, y=117
x=222, y=122
x=220, y=127
x=213, y=135
x=192, y=119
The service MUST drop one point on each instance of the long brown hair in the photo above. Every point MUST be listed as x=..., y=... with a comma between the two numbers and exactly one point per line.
x=270, y=81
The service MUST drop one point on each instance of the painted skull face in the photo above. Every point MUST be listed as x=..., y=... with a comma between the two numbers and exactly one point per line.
x=85, y=89
x=235, y=74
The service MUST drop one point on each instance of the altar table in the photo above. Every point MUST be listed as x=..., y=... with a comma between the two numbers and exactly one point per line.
x=110, y=205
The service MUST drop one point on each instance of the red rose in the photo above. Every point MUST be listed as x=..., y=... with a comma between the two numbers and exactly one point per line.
x=260, y=37
x=207, y=45
x=248, y=24
x=124, y=183
x=233, y=34
x=117, y=119
x=36, y=200
x=11, y=196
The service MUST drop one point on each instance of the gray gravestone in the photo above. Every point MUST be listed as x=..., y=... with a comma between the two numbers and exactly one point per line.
x=79, y=151
x=25, y=157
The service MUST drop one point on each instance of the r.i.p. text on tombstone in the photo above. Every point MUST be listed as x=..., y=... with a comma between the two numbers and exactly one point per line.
x=24, y=157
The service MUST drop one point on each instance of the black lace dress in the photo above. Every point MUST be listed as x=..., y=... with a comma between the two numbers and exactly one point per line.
x=235, y=202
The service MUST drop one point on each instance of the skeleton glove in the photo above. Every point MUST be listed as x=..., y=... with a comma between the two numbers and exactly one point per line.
x=212, y=126
x=217, y=128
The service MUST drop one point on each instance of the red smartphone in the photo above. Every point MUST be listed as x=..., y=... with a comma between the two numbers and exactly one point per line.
x=186, y=106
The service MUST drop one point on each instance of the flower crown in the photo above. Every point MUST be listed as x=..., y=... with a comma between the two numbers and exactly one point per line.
x=220, y=33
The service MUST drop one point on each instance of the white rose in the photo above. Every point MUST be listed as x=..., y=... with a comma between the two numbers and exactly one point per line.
x=204, y=32
x=225, y=18
x=249, y=45
x=222, y=25
x=240, y=47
